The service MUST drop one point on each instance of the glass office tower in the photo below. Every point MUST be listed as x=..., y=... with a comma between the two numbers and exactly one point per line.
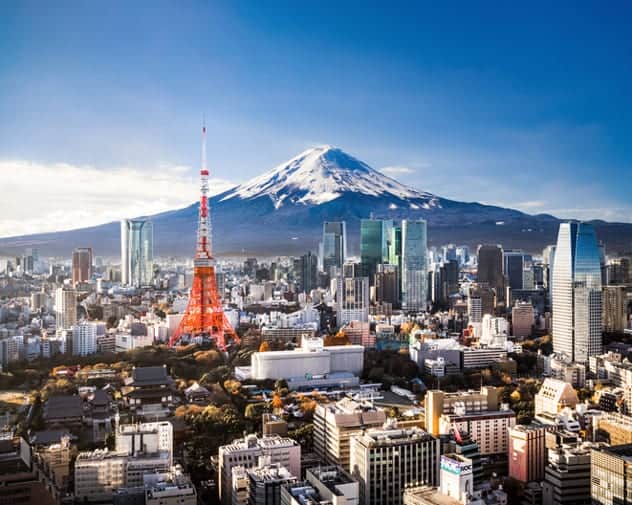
x=334, y=245
x=576, y=293
x=137, y=252
x=414, y=265
x=375, y=239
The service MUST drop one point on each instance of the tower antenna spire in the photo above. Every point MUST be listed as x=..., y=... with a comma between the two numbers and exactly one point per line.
x=204, y=316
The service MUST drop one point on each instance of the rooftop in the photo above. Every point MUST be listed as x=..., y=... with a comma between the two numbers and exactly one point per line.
x=149, y=376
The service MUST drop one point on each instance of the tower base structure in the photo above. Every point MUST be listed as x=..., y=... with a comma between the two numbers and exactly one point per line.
x=204, y=315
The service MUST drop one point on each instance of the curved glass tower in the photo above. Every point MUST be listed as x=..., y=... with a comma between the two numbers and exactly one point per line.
x=576, y=293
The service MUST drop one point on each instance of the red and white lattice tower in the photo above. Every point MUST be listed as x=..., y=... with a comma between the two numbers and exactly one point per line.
x=204, y=315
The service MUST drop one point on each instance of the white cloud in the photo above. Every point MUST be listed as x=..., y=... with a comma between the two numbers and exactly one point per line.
x=40, y=197
x=531, y=204
x=397, y=170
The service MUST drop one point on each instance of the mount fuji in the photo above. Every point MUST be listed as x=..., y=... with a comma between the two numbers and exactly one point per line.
x=282, y=211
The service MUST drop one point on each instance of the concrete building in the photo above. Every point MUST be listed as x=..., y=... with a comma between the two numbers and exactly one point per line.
x=527, y=452
x=148, y=438
x=553, y=396
x=567, y=475
x=247, y=451
x=322, y=485
x=336, y=423
x=81, y=265
x=311, y=359
x=387, y=461
x=490, y=429
x=611, y=475
x=522, y=319
x=616, y=300
x=352, y=299
x=175, y=491
x=99, y=473
x=439, y=402
x=456, y=478
x=84, y=339
x=265, y=482
x=65, y=308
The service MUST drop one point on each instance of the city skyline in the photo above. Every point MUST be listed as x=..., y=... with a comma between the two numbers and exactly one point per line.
x=436, y=99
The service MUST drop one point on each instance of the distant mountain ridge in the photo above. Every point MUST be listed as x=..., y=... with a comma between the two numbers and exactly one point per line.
x=282, y=210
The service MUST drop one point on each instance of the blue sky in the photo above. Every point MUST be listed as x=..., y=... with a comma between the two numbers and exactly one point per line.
x=527, y=107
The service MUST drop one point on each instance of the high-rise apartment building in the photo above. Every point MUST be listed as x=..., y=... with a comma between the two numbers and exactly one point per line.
x=577, y=298
x=137, y=252
x=81, y=265
x=387, y=461
x=352, y=299
x=414, y=265
x=490, y=269
x=334, y=245
x=84, y=338
x=375, y=237
x=65, y=308
x=616, y=300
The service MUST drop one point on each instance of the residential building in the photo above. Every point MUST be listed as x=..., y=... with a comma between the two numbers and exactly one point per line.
x=81, y=265
x=352, y=299
x=65, y=308
x=84, y=339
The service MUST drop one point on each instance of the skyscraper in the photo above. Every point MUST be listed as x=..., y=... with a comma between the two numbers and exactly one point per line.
x=490, y=269
x=334, y=245
x=513, y=263
x=576, y=293
x=306, y=273
x=65, y=308
x=375, y=237
x=137, y=252
x=414, y=265
x=81, y=265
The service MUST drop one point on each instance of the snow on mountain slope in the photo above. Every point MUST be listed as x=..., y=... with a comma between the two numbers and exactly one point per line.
x=322, y=174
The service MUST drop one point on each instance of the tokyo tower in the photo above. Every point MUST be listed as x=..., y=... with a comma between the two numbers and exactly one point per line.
x=204, y=315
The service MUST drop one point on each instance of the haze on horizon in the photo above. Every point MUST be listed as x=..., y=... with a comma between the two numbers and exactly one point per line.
x=101, y=105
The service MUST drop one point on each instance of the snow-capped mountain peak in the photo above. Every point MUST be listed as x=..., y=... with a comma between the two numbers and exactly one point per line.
x=322, y=174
